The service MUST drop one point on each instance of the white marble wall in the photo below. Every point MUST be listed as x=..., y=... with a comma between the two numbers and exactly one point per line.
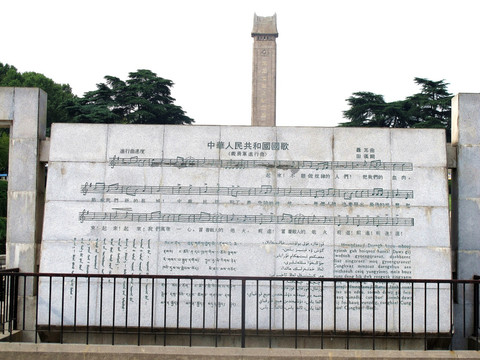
x=24, y=111
x=244, y=201
x=466, y=206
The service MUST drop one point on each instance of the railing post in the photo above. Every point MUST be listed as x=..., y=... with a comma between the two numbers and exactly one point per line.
x=13, y=302
x=243, y=312
x=475, y=305
x=3, y=300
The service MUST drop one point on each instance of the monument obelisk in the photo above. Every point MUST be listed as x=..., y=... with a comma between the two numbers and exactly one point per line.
x=264, y=70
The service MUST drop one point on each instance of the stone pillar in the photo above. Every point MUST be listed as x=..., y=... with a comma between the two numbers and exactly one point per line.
x=466, y=205
x=264, y=77
x=25, y=110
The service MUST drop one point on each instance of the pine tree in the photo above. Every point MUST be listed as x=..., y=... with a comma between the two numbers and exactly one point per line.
x=430, y=108
x=144, y=98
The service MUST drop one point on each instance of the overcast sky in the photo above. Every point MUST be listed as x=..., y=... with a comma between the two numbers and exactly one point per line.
x=326, y=49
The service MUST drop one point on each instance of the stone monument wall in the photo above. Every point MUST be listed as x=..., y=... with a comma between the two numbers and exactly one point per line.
x=244, y=201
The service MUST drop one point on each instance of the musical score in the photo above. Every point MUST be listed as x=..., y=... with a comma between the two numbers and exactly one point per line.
x=236, y=191
x=181, y=162
x=259, y=219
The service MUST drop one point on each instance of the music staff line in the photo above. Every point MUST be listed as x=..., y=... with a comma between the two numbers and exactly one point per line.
x=236, y=191
x=260, y=219
x=181, y=162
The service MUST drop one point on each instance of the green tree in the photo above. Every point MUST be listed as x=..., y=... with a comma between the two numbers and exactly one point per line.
x=144, y=98
x=3, y=215
x=3, y=198
x=366, y=109
x=4, y=146
x=430, y=108
x=9, y=76
x=395, y=114
x=58, y=94
x=3, y=234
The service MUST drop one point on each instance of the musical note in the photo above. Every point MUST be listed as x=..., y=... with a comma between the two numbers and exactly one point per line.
x=376, y=164
x=114, y=188
x=113, y=161
x=84, y=188
x=82, y=215
x=347, y=195
x=377, y=192
x=266, y=189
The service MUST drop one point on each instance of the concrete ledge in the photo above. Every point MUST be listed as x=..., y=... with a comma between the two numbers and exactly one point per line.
x=5, y=123
x=25, y=351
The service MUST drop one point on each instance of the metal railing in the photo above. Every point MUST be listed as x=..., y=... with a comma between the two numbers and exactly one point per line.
x=8, y=300
x=235, y=311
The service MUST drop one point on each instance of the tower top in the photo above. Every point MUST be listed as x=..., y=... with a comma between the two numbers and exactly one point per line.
x=264, y=80
x=264, y=25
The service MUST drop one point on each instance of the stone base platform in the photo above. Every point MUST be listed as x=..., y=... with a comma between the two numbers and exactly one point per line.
x=21, y=351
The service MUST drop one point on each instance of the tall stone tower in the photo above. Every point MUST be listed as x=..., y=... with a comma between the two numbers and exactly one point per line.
x=264, y=79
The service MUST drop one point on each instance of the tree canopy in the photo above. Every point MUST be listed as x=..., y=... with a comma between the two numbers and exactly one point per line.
x=144, y=98
x=4, y=147
x=58, y=94
x=430, y=108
